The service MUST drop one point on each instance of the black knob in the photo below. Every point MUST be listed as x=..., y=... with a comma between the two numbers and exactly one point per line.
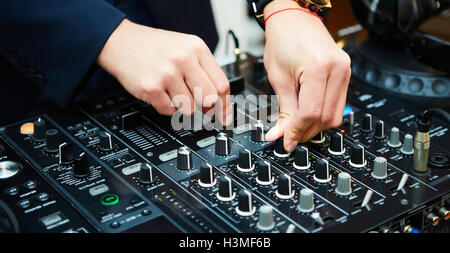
x=105, y=141
x=245, y=163
x=52, y=140
x=206, y=176
x=357, y=156
x=322, y=171
x=301, y=161
x=258, y=132
x=366, y=123
x=222, y=144
x=319, y=138
x=279, y=148
x=379, y=130
x=80, y=167
x=225, y=192
x=264, y=176
x=284, y=190
x=245, y=203
x=39, y=129
x=146, y=174
x=184, y=158
x=336, y=144
x=65, y=153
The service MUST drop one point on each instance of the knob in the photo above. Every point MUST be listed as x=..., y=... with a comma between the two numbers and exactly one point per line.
x=394, y=138
x=301, y=159
x=245, y=163
x=146, y=174
x=284, y=190
x=264, y=176
x=379, y=168
x=366, y=123
x=306, y=201
x=245, y=203
x=336, y=144
x=258, y=132
x=105, y=141
x=184, y=158
x=39, y=130
x=225, y=192
x=357, y=156
x=80, y=167
x=407, y=147
x=322, y=171
x=65, y=153
x=344, y=184
x=52, y=140
x=265, y=221
x=279, y=149
x=206, y=176
x=319, y=138
x=379, y=130
x=222, y=144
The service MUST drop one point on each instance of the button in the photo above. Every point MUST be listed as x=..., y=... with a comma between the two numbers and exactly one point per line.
x=99, y=189
x=24, y=203
x=30, y=185
x=12, y=191
x=43, y=197
x=51, y=219
x=110, y=199
x=114, y=224
x=146, y=212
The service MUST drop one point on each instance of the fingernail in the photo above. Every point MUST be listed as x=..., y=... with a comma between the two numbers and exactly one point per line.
x=291, y=146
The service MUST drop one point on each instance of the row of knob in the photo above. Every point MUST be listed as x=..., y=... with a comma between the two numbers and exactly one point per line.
x=53, y=138
x=394, y=137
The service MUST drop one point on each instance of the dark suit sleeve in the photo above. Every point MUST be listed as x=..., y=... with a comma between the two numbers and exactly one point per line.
x=56, y=41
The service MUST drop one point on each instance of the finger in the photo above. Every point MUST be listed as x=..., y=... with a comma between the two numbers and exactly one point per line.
x=160, y=100
x=286, y=90
x=220, y=81
x=199, y=84
x=181, y=97
x=334, y=104
x=310, y=103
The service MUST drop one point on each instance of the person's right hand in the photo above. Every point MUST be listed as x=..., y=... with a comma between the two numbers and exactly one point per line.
x=157, y=66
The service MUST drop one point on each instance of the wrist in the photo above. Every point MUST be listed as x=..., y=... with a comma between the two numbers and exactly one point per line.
x=277, y=5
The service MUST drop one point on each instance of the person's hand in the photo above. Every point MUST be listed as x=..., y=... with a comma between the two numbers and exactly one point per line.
x=308, y=72
x=164, y=69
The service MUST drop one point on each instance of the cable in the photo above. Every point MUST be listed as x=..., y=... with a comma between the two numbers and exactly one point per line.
x=424, y=121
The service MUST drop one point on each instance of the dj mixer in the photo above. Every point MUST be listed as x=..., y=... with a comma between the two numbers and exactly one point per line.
x=116, y=165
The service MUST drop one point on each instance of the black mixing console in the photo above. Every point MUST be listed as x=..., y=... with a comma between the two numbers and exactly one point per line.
x=116, y=165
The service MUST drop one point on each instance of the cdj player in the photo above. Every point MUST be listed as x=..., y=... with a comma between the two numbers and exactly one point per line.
x=115, y=165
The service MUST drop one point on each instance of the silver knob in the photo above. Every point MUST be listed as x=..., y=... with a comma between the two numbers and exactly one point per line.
x=266, y=221
x=306, y=201
x=344, y=184
x=407, y=147
x=379, y=168
x=394, y=138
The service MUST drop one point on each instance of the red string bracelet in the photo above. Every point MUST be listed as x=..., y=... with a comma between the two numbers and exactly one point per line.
x=290, y=9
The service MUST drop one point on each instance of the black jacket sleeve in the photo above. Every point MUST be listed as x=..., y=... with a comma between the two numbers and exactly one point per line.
x=55, y=42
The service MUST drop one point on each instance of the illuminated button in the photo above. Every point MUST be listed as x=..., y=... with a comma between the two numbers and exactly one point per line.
x=30, y=184
x=51, y=219
x=43, y=197
x=24, y=203
x=12, y=191
x=27, y=128
x=110, y=199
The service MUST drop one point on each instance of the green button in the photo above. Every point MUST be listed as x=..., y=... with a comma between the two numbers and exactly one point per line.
x=110, y=199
